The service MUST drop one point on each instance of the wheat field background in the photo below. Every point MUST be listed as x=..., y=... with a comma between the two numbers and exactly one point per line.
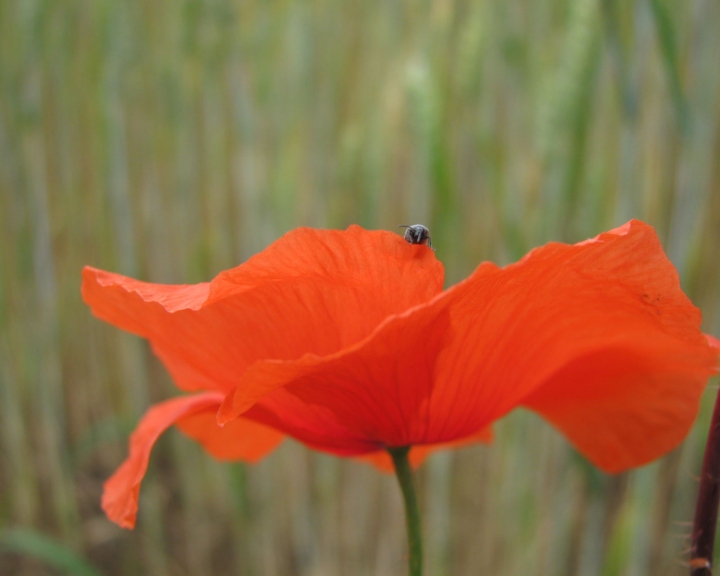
x=169, y=140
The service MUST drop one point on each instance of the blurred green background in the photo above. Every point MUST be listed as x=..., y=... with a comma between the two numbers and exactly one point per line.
x=168, y=140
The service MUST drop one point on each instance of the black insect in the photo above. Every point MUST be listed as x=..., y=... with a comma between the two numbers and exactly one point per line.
x=417, y=234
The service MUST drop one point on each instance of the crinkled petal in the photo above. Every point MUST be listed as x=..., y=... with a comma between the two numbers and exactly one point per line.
x=242, y=439
x=623, y=407
x=312, y=291
x=601, y=323
x=597, y=337
x=361, y=399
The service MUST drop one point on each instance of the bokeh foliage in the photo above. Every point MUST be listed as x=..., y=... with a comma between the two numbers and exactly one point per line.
x=171, y=139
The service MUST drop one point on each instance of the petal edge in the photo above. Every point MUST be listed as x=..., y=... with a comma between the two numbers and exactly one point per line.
x=121, y=490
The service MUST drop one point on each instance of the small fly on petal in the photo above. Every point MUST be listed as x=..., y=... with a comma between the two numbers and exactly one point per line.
x=417, y=234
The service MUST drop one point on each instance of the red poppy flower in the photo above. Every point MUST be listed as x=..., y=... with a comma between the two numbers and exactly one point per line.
x=345, y=341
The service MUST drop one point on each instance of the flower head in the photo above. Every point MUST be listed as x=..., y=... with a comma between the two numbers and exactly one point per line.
x=346, y=341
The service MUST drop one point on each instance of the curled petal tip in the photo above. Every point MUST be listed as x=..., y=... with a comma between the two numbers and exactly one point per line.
x=122, y=489
x=120, y=497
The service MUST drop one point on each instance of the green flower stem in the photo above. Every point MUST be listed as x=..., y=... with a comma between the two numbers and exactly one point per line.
x=412, y=514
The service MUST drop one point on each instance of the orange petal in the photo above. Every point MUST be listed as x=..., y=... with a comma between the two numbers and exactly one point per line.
x=312, y=291
x=597, y=337
x=120, y=495
x=503, y=338
x=623, y=407
x=361, y=399
x=241, y=439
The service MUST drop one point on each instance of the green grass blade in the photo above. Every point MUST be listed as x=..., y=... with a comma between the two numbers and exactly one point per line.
x=668, y=48
x=46, y=550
